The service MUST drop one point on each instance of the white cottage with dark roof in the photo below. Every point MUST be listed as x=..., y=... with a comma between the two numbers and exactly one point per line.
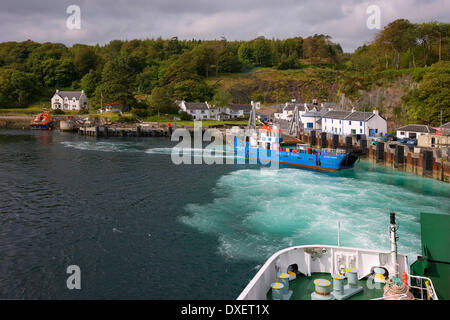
x=354, y=122
x=198, y=110
x=413, y=131
x=69, y=100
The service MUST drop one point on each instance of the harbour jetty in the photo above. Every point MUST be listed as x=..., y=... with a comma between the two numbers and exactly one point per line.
x=124, y=131
x=428, y=162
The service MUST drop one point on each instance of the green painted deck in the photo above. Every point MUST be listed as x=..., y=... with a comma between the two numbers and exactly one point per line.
x=303, y=286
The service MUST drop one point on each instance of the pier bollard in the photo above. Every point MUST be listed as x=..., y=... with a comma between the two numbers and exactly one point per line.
x=313, y=138
x=380, y=151
x=323, y=140
x=348, y=142
x=138, y=131
x=427, y=161
x=97, y=131
x=335, y=141
x=399, y=155
x=363, y=145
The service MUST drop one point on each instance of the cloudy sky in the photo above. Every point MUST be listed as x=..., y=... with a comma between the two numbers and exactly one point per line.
x=106, y=20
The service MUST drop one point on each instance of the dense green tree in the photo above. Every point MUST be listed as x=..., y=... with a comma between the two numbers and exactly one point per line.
x=173, y=46
x=85, y=59
x=89, y=82
x=177, y=69
x=222, y=98
x=161, y=101
x=147, y=79
x=262, y=52
x=17, y=88
x=191, y=90
x=432, y=96
x=245, y=53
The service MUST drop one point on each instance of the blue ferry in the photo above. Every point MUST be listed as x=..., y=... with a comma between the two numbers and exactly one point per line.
x=265, y=148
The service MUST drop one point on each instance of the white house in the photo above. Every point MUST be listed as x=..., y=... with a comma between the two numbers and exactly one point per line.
x=312, y=120
x=354, y=122
x=238, y=110
x=414, y=130
x=69, y=100
x=198, y=110
x=202, y=110
x=288, y=109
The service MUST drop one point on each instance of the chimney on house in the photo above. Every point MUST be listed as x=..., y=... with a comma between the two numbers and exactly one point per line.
x=375, y=111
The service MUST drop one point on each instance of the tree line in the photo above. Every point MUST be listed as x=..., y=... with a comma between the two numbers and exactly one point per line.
x=150, y=74
x=122, y=70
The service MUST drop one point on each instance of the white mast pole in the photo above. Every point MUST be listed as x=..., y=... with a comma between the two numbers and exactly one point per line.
x=393, y=244
x=339, y=233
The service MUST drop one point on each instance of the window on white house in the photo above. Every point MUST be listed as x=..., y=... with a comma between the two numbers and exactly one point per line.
x=349, y=122
x=402, y=133
x=360, y=123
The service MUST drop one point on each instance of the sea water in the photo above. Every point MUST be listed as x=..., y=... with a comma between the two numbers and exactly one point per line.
x=141, y=227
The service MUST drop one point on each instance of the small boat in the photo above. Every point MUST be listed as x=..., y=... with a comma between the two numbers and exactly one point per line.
x=264, y=146
x=43, y=121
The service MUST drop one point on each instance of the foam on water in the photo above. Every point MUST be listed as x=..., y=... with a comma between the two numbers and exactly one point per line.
x=104, y=146
x=208, y=152
x=254, y=214
x=128, y=146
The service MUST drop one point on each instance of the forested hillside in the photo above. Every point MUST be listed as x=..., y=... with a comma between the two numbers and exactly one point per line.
x=148, y=75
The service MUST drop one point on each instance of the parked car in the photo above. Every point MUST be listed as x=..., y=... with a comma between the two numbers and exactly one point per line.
x=391, y=137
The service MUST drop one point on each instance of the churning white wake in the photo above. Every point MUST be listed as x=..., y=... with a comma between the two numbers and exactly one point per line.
x=253, y=214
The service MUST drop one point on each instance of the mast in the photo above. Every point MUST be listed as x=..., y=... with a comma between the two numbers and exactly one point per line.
x=252, y=119
x=295, y=123
x=394, y=238
x=339, y=233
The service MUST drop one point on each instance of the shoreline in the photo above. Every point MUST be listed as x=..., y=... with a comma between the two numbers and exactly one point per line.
x=422, y=162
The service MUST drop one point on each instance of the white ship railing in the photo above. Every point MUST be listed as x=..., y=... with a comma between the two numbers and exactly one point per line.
x=328, y=262
x=428, y=289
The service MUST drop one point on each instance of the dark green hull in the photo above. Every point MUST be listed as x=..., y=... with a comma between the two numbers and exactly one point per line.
x=435, y=260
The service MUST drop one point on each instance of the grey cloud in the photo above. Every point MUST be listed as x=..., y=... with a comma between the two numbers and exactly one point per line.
x=103, y=20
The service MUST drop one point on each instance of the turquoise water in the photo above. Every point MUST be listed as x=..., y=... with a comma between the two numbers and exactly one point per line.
x=277, y=209
x=121, y=210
